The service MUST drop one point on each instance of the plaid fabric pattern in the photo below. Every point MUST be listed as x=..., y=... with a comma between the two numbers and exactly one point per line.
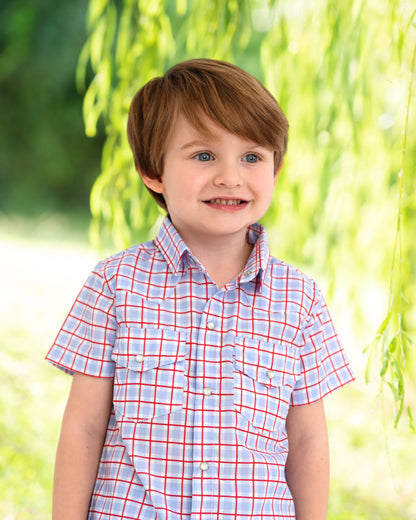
x=203, y=379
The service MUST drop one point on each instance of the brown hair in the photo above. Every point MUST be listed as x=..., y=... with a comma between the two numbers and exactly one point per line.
x=229, y=96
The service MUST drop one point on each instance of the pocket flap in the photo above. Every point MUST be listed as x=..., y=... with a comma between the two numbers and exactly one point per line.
x=143, y=349
x=272, y=364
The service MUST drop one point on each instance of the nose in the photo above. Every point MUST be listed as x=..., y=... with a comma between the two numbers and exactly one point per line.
x=227, y=176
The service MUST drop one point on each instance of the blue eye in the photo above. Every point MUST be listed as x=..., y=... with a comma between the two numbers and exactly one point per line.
x=251, y=158
x=204, y=156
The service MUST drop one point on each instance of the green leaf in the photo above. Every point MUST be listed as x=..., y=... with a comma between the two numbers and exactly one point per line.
x=181, y=7
x=96, y=8
x=383, y=326
x=393, y=343
x=400, y=42
x=411, y=421
x=384, y=367
x=394, y=391
x=411, y=20
x=398, y=414
x=80, y=72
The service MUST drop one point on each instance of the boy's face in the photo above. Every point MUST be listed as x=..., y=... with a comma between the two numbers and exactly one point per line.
x=214, y=186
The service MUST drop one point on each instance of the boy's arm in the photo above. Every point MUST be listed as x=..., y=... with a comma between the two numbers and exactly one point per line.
x=307, y=467
x=82, y=436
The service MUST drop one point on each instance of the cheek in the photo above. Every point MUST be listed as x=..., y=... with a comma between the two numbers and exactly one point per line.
x=267, y=182
x=177, y=195
x=267, y=188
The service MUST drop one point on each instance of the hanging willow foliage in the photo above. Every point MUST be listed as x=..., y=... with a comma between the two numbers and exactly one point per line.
x=130, y=42
x=392, y=343
x=342, y=72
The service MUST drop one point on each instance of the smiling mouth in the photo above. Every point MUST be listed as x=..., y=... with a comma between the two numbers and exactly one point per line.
x=226, y=202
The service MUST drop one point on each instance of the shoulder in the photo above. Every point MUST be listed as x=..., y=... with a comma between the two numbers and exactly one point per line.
x=121, y=270
x=286, y=285
x=291, y=287
x=128, y=257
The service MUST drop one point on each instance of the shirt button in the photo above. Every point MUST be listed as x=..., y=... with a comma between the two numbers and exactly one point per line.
x=204, y=466
x=270, y=374
x=139, y=358
x=211, y=325
x=207, y=390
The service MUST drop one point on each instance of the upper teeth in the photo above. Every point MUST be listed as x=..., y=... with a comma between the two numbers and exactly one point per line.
x=225, y=202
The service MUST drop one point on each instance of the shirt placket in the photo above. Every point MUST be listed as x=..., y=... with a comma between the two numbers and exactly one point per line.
x=208, y=386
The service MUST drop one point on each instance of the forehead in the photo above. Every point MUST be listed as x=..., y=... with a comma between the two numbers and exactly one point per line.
x=183, y=129
x=185, y=134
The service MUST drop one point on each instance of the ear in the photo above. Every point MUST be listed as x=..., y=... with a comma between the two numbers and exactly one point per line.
x=152, y=182
x=276, y=175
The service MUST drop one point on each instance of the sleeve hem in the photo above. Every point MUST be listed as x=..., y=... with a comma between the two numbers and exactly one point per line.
x=70, y=371
x=326, y=394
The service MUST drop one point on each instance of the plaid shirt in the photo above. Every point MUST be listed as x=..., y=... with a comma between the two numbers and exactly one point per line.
x=203, y=379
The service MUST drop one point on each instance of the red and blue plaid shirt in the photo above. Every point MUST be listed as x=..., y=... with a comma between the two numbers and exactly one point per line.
x=203, y=379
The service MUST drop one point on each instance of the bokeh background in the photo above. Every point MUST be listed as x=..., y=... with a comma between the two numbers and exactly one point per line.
x=344, y=209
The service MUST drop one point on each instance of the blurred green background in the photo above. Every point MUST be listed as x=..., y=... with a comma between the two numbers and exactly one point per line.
x=46, y=162
x=342, y=74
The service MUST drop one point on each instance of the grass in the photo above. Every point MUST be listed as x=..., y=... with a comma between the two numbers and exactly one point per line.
x=43, y=263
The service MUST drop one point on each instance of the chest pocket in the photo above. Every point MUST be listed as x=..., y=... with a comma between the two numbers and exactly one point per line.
x=264, y=377
x=149, y=376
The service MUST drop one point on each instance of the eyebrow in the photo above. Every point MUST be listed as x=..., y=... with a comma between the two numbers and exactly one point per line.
x=196, y=142
x=209, y=140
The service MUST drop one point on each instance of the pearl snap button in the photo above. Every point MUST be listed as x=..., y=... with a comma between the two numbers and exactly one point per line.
x=139, y=358
x=270, y=374
x=207, y=390
x=211, y=325
x=204, y=466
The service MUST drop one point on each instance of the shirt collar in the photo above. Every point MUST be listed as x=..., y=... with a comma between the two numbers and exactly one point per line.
x=256, y=266
x=177, y=253
x=171, y=245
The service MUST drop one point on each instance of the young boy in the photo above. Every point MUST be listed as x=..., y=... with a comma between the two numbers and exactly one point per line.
x=199, y=361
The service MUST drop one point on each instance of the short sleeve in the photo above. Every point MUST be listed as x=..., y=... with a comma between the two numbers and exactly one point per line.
x=324, y=364
x=85, y=341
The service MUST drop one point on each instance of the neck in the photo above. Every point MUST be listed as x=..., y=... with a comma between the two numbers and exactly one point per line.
x=223, y=259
